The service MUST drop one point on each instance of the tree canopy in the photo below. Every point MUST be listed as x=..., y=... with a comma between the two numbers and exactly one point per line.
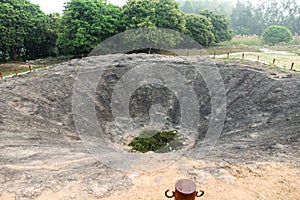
x=200, y=29
x=153, y=13
x=276, y=34
x=224, y=7
x=85, y=23
x=25, y=31
x=28, y=33
x=220, y=24
x=248, y=19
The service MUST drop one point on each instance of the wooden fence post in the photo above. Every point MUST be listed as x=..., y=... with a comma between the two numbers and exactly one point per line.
x=30, y=68
x=243, y=56
x=274, y=60
x=292, y=66
x=16, y=70
x=257, y=58
x=227, y=55
x=214, y=55
x=1, y=76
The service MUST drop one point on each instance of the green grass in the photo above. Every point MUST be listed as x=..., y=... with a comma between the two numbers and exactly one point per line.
x=243, y=41
x=225, y=50
x=282, y=61
x=295, y=41
x=9, y=69
x=157, y=141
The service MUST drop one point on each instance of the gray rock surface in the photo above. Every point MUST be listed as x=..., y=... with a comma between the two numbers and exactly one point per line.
x=41, y=150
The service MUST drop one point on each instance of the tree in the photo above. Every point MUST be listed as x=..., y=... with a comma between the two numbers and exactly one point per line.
x=218, y=6
x=153, y=13
x=39, y=41
x=245, y=20
x=24, y=31
x=248, y=18
x=86, y=23
x=220, y=24
x=200, y=29
x=276, y=34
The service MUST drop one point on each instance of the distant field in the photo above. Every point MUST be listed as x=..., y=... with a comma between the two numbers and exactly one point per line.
x=283, y=59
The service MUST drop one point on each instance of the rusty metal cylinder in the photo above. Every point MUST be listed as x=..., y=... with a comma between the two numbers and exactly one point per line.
x=185, y=190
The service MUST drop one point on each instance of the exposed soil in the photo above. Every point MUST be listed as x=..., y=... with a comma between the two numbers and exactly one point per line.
x=43, y=157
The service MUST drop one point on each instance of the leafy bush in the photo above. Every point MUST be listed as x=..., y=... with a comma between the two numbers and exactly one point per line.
x=276, y=34
x=221, y=28
x=200, y=29
x=154, y=140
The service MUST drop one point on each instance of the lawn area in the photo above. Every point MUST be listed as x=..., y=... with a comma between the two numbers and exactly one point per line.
x=283, y=59
x=8, y=69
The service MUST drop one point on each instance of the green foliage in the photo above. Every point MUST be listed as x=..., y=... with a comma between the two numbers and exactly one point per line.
x=276, y=34
x=25, y=31
x=86, y=23
x=295, y=41
x=153, y=140
x=200, y=29
x=153, y=13
x=28, y=33
x=218, y=6
x=248, y=18
x=220, y=24
x=243, y=41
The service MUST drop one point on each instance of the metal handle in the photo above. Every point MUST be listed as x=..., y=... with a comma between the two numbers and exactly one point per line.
x=168, y=196
x=200, y=193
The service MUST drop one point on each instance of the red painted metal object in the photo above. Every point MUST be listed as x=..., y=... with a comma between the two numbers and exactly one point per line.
x=185, y=190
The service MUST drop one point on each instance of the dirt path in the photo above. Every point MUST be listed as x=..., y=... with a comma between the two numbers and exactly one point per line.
x=260, y=181
x=265, y=181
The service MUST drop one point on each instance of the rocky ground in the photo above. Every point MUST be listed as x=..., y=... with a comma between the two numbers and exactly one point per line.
x=43, y=157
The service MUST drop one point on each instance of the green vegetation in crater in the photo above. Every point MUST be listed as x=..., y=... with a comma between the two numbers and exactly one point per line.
x=157, y=141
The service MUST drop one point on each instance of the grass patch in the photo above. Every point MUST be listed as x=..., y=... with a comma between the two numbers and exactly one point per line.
x=281, y=61
x=225, y=50
x=243, y=41
x=157, y=141
x=295, y=41
x=9, y=69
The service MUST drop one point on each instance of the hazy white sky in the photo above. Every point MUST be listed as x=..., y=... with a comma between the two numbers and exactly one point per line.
x=50, y=6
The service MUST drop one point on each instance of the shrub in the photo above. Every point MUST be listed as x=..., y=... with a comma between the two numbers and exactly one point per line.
x=157, y=141
x=200, y=29
x=275, y=34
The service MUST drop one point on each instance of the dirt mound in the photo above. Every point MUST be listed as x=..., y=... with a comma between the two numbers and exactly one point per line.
x=42, y=155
